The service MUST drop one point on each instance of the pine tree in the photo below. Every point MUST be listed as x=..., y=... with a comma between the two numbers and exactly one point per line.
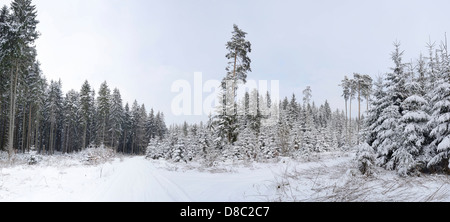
x=413, y=129
x=54, y=107
x=103, y=112
x=116, y=118
x=86, y=104
x=161, y=128
x=388, y=130
x=151, y=131
x=126, y=127
x=379, y=103
x=72, y=121
x=238, y=67
x=440, y=118
x=346, y=94
x=18, y=52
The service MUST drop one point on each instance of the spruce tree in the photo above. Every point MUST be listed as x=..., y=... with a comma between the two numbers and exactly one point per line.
x=86, y=104
x=116, y=118
x=103, y=112
x=440, y=117
x=18, y=52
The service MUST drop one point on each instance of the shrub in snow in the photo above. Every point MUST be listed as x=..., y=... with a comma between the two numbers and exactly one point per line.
x=179, y=152
x=365, y=157
x=153, y=150
x=33, y=159
x=97, y=155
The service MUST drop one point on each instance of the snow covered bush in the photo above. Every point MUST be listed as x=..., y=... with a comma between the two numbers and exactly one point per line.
x=154, y=150
x=365, y=158
x=97, y=155
x=33, y=159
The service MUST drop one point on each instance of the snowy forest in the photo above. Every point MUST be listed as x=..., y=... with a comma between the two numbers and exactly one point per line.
x=36, y=114
x=405, y=125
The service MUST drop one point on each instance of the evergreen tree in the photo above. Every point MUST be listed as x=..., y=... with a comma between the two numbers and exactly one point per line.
x=18, y=52
x=54, y=108
x=379, y=103
x=126, y=127
x=238, y=67
x=116, y=118
x=151, y=131
x=440, y=118
x=86, y=104
x=72, y=122
x=413, y=129
x=103, y=112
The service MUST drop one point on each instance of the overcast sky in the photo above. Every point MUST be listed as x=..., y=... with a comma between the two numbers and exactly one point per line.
x=143, y=46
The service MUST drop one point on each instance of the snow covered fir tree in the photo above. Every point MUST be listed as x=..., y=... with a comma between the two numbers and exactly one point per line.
x=408, y=122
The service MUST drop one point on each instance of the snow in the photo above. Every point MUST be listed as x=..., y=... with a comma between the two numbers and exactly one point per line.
x=445, y=144
x=330, y=176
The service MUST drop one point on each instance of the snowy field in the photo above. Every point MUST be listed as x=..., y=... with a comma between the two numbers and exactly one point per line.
x=107, y=177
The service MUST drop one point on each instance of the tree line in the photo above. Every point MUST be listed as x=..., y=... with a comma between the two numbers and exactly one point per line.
x=34, y=113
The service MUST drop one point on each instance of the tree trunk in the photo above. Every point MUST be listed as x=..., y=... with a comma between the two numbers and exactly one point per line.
x=359, y=111
x=83, y=146
x=68, y=140
x=23, y=130
x=124, y=142
x=29, y=130
x=36, y=133
x=12, y=111
x=350, y=125
x=51, y=138
x=346, y=120
x=103, y=133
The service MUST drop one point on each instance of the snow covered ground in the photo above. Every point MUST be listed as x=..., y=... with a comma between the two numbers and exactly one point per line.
x=323, y=177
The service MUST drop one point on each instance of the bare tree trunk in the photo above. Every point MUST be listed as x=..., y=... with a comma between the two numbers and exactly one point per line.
x=346, y=120
x=124, y=142
x=68, y=140
x=83, y=146
x=132, y=145
x=103, y=133
x=23, y=130
x=359, y=111
x=51, y=138
x=350, y=125
x=29, y=130
x=36, y=132
x=12, y=111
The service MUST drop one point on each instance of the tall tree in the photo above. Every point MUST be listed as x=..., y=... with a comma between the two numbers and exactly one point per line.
x=103, y=107
x=20, y=52
x=116, y=118
x=54, y=107
x=87, y=101
x=345, y=84
x=440, y=118
x=238, y=67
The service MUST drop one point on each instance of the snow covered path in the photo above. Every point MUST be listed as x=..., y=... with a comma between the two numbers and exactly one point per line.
x=137, y=180
x=132, y=179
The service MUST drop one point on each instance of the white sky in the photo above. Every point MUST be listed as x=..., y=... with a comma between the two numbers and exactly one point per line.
x=143, y=46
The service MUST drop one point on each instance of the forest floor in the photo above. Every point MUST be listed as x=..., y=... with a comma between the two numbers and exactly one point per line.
x=103, y=176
